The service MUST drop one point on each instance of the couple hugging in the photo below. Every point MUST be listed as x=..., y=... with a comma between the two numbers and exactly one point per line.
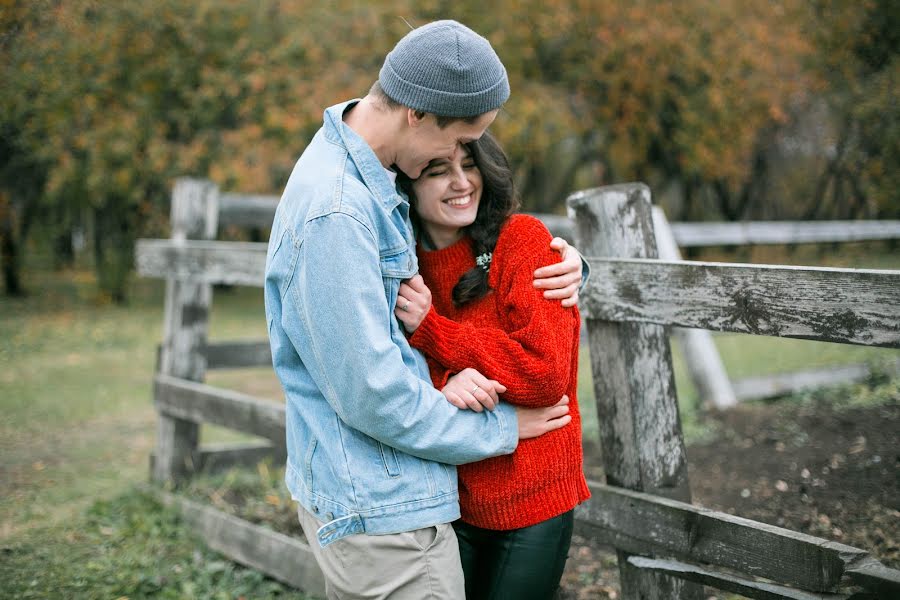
x=433, y=433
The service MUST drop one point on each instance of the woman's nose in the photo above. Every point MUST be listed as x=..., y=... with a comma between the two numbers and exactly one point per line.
x=460, y=181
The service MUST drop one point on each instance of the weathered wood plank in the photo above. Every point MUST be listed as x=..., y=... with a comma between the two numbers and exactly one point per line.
x=212, y=458
x=874, y=576
x=729, y=583
x=235, y=355
x=199, y=402
x=645, y=524
x=219, y=457
x=783, y=232
x=854, y=306
x=771, y=386
x=257, y=210
x=247, y=210
x=282, y=557
x=634, y=383
x=759, y=232
x=700, y=234
x=193, y=215
x=700, y=353
x=235, y=263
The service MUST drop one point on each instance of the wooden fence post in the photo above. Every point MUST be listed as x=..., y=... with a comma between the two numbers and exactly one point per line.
x=634, y=384
x=700, y=353
x=194, y=215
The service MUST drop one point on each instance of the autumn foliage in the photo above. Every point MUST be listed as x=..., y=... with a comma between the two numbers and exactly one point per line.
x=104, y=103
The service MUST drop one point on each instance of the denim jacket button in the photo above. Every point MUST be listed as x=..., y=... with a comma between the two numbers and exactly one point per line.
x=316, y=509
x=329, y=516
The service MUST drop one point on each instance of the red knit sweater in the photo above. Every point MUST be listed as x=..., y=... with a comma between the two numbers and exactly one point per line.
x=528, y=344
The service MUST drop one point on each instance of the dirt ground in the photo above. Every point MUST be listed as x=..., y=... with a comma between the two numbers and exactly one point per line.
x=822, y=468
x=832, y=473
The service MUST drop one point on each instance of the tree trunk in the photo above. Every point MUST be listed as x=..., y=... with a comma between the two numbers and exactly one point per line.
x=9, y=249
x=114, y=235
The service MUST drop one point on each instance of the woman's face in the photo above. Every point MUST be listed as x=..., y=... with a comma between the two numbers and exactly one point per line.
x=447, y=195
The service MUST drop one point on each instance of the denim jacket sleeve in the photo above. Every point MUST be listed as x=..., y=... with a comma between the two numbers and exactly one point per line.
x=336, y=313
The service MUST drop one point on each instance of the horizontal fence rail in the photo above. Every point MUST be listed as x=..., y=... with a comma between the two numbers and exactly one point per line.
x=854, y=306
x=747, y=588
x=285, y=558
x=646, y=524
x=782, y=384
x=244, y=210
x=236, y=355
x=235, y=263
x=252, y=210
x=203, y=403
x=783, y=232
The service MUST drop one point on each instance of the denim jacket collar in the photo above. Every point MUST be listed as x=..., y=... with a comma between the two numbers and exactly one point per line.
x=362, y=155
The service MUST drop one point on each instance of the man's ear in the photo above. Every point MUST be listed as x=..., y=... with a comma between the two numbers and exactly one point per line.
x=415, y=117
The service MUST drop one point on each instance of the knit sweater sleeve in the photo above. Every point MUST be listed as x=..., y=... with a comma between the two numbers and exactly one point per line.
x=533, y=352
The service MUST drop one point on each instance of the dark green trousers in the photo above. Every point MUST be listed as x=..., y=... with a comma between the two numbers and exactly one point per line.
x=521, y=564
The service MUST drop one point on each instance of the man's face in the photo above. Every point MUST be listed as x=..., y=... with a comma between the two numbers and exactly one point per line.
x=427, y=141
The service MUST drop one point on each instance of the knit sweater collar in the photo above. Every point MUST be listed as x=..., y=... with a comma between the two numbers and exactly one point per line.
x=453, y=257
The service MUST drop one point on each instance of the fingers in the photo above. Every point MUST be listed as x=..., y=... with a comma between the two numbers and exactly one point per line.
x=558, y=284
x=555, y=424
x=488, y=386
x=416, y=283
x=563, y=291
x=485, y=399
x=559, y=244
x=455, y=400
x=561, y=278
x=471, y=401
x=571, y=300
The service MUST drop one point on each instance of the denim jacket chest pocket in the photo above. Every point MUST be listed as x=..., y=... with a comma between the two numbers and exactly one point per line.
x=396, y=266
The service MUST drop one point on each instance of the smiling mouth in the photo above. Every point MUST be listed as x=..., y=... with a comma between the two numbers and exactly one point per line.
x=461, y=201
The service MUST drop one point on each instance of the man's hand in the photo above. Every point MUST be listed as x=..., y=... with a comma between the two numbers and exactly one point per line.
x=561, y=280
x=471, y=389
x=413, y=302
x=538, y=421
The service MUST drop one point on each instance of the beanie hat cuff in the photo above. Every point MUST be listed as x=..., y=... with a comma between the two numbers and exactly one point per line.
x=442, y=102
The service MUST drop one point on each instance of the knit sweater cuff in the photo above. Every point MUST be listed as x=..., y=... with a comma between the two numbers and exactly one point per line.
x=432, y=331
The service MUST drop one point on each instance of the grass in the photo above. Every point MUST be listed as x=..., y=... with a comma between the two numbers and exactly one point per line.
x=77, y=426
x=126, y=547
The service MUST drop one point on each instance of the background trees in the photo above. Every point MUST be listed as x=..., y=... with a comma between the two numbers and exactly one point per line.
x=729, y=110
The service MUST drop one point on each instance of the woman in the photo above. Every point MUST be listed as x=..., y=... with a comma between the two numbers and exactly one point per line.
x=480, y=310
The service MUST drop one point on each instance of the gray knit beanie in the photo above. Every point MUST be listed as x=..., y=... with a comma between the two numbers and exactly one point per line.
x=446, y=69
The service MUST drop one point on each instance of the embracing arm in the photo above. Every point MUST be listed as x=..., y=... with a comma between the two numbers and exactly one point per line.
x=532, y=354
x=339, y=322
x=563, y=280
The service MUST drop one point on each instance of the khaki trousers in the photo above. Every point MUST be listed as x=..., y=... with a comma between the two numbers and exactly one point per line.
x=413, y=565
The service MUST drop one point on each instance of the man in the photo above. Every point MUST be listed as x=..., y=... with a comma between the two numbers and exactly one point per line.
x=370, y=442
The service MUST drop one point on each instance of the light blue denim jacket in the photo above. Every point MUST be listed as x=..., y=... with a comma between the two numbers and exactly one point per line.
x=370, y=442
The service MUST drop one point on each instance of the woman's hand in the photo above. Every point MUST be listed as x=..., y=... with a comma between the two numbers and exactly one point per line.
x=413, y=302
x=534, y=422
x=470, y=389
x=561, y=280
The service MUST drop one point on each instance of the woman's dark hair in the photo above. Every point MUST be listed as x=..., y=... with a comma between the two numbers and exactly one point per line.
x=498, y=201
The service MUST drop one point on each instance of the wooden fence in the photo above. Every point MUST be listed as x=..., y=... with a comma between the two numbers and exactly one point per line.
x=666, y=546
x=705, y=367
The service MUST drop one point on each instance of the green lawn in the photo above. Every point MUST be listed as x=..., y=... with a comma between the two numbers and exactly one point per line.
x=77, y=426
